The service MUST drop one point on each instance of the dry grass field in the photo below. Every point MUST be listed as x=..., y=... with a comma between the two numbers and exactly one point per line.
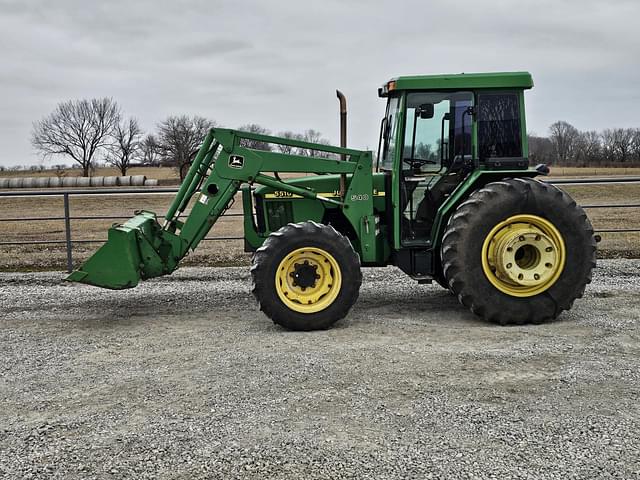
x=222, y=253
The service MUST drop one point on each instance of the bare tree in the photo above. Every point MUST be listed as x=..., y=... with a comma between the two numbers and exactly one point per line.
x=618, y=143
x=179, y=137
x=540, y=150
x=311, y=136
x=314, y=136
x=425, y=151
x=255, y=144
x=126, y=145
x=151, y=153
x=564, y=138
x=77, y=129
x=589, y=148
x=288, y=149
x=636, y=145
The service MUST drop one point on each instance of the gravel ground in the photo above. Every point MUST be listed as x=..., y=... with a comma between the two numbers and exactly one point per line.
x=183, y=377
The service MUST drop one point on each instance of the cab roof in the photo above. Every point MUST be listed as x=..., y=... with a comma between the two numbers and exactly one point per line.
x=459, y=81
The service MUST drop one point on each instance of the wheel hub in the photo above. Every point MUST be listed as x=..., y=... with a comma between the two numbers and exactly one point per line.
x=523, y=256
x=304, y=275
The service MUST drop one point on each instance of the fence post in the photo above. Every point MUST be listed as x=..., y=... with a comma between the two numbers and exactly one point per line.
x=67, y=232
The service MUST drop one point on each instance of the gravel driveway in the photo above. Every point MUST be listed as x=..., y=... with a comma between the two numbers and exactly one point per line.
x=183, y=377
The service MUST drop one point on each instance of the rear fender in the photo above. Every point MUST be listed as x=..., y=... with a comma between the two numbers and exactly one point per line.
x=473, y=182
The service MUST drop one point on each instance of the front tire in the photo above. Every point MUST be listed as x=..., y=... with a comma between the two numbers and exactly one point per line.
x=518, y=251
x=306, y=276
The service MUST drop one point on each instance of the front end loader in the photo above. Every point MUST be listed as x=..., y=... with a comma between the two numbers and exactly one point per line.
x=450, y=198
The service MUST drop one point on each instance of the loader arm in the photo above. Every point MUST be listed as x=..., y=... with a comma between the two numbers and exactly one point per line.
x=143, y=248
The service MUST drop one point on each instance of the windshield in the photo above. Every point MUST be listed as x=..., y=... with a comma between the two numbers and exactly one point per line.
x=389, y=129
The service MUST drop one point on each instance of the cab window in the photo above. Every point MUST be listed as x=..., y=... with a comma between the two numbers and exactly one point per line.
x=390, y=128
x=499, y=125
x=438, y=129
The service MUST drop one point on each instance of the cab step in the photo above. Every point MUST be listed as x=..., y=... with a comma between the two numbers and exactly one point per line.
x=423, y=279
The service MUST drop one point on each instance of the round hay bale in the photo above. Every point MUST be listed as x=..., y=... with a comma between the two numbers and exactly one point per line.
x=27, y=182
x=4, y=182
x=124, y=181
x=70, y=182
x=138, y=180
x=83, y=182
x=110, y=181
x=151, y=182
x=55, y=182
x=97, y=181
x=41, y=182
x=16, y=182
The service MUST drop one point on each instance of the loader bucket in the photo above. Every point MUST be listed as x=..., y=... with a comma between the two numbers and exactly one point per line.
x=126, y=257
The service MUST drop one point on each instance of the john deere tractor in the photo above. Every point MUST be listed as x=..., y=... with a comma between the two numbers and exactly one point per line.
x=450, y=197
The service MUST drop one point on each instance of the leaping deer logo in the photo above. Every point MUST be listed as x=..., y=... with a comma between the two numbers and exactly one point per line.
x=236, y=161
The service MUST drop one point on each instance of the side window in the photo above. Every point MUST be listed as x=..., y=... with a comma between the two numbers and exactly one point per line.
x=435, y=140
x=499, y=125
x=430, y=139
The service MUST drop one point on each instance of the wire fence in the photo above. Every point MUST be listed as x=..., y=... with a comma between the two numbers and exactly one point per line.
x=68, y=218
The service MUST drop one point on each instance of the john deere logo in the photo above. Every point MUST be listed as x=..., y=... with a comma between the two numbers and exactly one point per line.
x=236, y=161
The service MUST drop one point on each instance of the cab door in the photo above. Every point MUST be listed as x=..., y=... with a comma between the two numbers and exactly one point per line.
x=436, y=144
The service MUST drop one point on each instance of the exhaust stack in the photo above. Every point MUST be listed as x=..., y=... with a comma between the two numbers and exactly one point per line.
x=343, y=137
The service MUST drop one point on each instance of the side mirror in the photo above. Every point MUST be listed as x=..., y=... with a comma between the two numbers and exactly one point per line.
x=425, y=110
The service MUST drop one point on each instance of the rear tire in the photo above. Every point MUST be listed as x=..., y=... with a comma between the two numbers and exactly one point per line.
x=306, y=276
x=520, y=216
x=438, y=276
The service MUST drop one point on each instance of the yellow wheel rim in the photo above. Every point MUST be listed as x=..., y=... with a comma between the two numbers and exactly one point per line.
x=523, y=256
x=308, y=280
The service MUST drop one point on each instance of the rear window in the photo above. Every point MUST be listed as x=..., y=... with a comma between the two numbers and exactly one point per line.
x=499, y=125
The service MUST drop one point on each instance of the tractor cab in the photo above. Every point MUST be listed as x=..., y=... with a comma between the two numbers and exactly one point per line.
x=436, y=131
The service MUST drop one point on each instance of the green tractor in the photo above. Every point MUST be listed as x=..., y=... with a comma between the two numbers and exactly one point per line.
x=450, y=197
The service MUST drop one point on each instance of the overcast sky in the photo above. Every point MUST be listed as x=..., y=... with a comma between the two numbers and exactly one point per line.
x=278, y=62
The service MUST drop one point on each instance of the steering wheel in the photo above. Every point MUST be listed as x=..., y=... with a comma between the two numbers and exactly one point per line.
x=418, y=162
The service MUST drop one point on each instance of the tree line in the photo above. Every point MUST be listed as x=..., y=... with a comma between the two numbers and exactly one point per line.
x=567, y=146
x=88, y=131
